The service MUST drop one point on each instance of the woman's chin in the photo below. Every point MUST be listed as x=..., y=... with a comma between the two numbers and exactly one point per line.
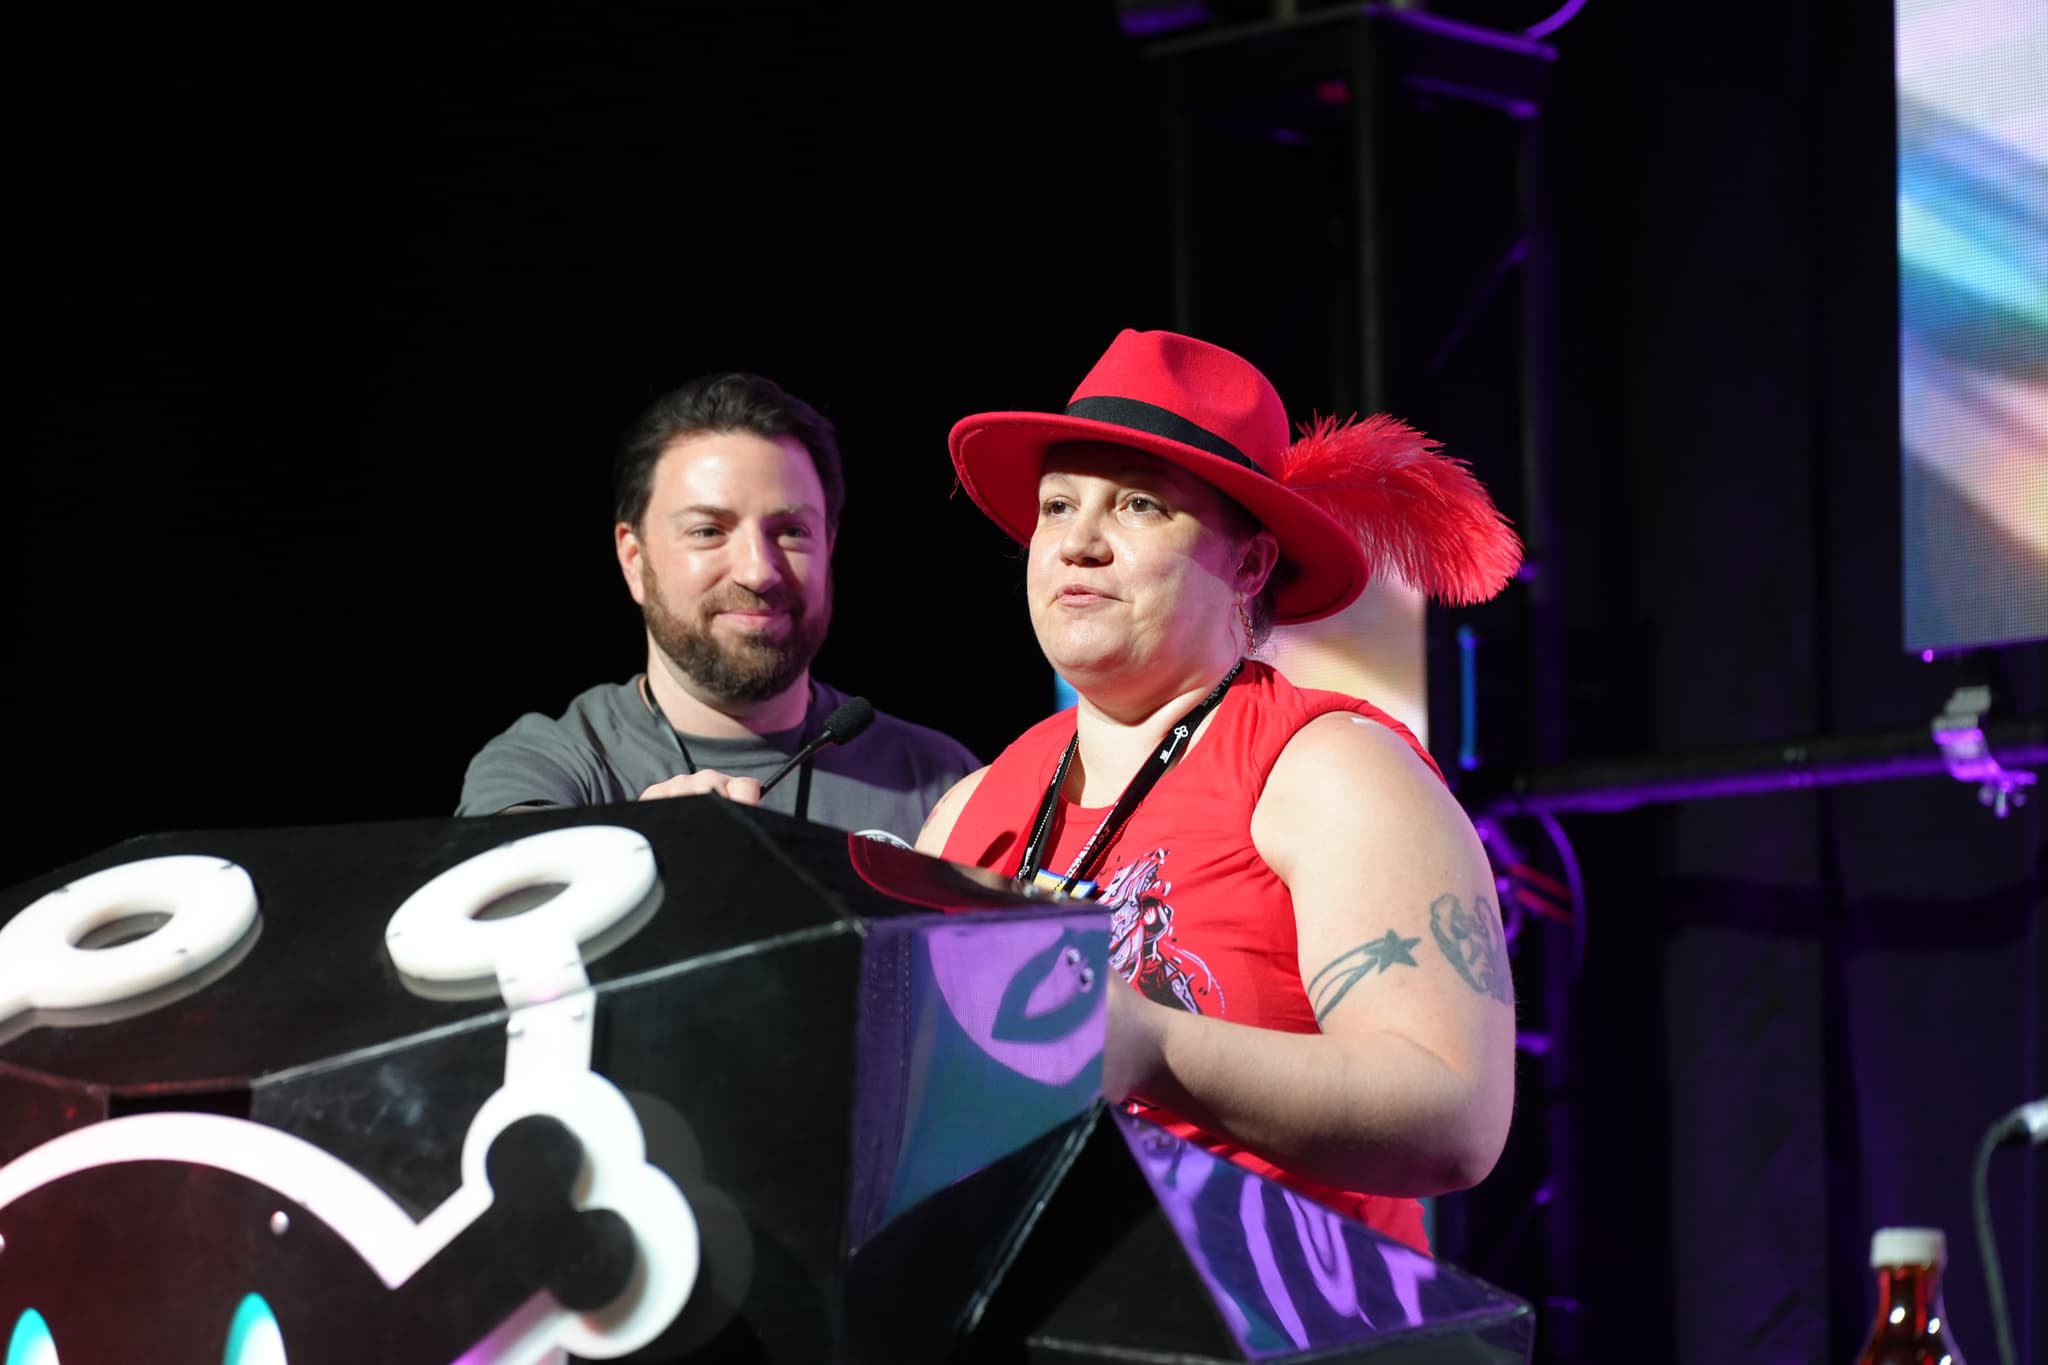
x=1082, y=667
x=1077, y=651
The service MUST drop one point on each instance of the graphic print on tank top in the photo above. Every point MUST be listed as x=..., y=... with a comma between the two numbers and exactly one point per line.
x=1142, y=948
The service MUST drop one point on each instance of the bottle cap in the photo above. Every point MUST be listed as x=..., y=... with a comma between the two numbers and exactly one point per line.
x=1908, y=1246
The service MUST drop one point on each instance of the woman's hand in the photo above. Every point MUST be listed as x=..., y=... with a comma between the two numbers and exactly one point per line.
x=1133, y=1042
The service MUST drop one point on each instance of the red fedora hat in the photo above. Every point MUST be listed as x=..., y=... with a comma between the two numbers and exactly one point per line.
x=1346, y=500
x=1194, y=405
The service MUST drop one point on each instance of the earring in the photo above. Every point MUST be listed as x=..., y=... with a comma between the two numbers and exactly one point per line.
x=1244, y=619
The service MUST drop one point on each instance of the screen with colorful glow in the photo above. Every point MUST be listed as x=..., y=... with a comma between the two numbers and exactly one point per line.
x=1973, y=319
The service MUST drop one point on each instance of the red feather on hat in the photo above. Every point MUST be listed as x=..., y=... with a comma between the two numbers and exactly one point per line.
x=1416, y=512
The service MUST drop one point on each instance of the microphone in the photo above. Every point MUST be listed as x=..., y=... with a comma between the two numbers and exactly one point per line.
x=852, y=716
x=2029, y=1122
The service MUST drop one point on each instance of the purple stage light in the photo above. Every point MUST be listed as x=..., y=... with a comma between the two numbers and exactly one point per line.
x=1830, y=762
x=1470, y=33
x=1507, y=104
x=1153, y=20
x=1564, y=15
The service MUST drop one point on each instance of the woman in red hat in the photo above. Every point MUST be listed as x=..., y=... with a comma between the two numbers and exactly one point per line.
x=1321, y=987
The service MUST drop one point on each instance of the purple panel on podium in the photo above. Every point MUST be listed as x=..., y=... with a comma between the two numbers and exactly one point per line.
x=1289, y=1275
x=978, y=1035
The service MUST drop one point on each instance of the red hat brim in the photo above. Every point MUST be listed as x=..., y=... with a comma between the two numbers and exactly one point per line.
x=1000, y=455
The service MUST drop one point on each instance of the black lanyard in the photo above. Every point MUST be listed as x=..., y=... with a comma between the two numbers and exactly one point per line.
x=803, y=774
x=1141, y=783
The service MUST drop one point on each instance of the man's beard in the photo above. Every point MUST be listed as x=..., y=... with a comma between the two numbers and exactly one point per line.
x=748, y=667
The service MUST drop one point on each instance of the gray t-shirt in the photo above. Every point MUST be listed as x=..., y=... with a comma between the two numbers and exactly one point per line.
x=608, y=747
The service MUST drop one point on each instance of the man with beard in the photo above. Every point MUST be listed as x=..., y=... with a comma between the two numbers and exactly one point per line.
x=728, y=493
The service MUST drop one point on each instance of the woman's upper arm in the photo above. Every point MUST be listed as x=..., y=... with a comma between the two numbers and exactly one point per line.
x=939, y=824
x=1393, y=897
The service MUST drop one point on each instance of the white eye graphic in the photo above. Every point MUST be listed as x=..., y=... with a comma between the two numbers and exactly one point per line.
x=31, y=1344
x=253, y=1337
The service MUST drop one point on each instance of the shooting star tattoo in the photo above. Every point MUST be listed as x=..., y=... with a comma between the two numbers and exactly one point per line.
x=1335, y=981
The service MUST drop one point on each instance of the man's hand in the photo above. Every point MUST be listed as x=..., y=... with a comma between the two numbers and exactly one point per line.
x=745, y=790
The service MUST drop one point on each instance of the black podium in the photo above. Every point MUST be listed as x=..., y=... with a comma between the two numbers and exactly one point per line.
x=847, y=1099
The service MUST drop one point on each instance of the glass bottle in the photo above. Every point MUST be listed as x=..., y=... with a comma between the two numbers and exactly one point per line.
x=1911, y=1327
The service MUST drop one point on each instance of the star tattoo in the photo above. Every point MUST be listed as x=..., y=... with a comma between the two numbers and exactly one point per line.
x=1335, y=981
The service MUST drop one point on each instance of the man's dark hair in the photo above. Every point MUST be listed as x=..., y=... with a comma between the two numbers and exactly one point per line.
x=723, y=403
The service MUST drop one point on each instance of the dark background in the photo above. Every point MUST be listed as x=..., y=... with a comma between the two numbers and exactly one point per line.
x=325, y=324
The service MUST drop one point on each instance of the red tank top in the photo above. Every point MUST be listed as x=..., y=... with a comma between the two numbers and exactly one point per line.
x=1198, y=920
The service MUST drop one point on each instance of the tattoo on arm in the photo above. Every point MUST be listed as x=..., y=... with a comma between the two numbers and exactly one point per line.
x=1335, y=981
x=1472, y=941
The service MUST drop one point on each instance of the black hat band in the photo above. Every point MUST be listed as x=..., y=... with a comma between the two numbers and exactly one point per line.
x=1154, y=420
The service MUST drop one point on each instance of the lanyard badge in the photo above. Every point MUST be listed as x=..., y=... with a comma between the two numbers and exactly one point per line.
x=1074, y=883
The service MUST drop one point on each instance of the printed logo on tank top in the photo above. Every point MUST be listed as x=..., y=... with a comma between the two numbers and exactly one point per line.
x=1142, y=947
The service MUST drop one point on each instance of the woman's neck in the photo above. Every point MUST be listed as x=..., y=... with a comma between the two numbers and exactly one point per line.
x=1118, y=734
